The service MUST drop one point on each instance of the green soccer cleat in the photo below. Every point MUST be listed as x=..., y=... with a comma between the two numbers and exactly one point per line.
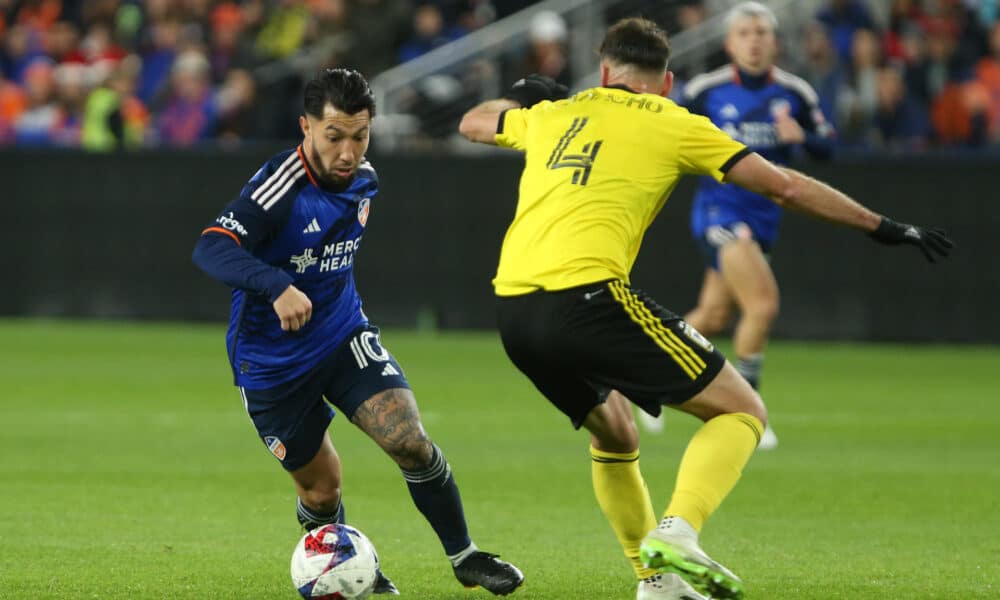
x=673, y=548
x=667, y=586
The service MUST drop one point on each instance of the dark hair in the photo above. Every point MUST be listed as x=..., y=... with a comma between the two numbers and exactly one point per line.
x=345, y=89
x=638, y=42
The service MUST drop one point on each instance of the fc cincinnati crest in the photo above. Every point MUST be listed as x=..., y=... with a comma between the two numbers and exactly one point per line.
x=363, y=207
x=275, y=446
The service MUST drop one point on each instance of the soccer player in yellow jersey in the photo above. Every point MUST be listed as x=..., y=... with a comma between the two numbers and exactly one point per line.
x=598, y=168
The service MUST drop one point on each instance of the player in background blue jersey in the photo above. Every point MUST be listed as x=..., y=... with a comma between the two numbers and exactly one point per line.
x=772, y=112
x=297, y=333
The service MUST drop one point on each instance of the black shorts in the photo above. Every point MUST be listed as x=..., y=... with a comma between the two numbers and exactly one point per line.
x=577, y=345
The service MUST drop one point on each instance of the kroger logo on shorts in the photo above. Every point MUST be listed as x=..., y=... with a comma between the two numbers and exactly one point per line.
x=275, y=446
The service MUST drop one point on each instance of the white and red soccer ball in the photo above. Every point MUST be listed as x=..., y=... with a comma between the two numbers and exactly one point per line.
x=334, y=562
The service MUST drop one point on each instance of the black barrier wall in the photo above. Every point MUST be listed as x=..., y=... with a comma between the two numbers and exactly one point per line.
x=110, y=236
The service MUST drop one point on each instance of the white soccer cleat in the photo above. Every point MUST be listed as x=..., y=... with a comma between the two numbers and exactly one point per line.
x=650, y=423
x=673, y=548
x=768, y=439
x=667, y=586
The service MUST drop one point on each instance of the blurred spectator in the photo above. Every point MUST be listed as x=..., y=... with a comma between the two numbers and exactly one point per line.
x=235, y=105
x=284, y=30
x=959, y=114
x=41, y=116
x=842, y=18
x=21, y=47
x=547, y=52
x=114, y=118
x=860, y=96
x=228, y=48
x=900, y=122
x=701, y=58
x=39, y=15
x=62, y=43
x=429, y=32
x=189, y=116
x=159, y=58
x=970, y=37
x=943, y=65
x=72, y=87
x=988, y=77
x=100, y=50
x=904, y=17
x=822, y=69
x=12, y=103
x=380, y=27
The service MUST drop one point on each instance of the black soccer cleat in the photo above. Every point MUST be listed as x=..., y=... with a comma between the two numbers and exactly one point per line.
x=383, y=585
x=486, y=570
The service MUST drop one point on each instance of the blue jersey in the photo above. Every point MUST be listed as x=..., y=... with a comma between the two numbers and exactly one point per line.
x=287, y=229
x=744, y=106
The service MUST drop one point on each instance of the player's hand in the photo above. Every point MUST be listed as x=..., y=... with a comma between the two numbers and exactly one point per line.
x=786, y=128
x=932, y=242
x=534, y=88
x=293, y=308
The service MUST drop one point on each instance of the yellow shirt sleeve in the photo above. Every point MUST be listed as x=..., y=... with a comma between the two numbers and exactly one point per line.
x=707, y=150
x=512, y=128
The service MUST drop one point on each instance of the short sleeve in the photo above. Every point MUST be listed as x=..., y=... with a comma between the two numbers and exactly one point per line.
x=707, y=150
x=512, y=128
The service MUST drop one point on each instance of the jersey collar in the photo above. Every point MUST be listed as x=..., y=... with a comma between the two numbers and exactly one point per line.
x=619, y=86
x=752, y=82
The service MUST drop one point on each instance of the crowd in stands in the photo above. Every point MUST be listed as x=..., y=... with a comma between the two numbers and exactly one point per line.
x=107, y=74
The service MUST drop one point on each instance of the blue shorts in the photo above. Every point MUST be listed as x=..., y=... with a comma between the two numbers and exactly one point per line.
x=291, y=418
x=714, y=237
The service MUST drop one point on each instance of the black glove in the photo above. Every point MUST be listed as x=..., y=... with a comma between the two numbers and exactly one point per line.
x=534, y=88
x=930, y=241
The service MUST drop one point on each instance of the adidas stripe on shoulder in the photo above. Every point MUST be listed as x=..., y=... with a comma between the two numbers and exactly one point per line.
x=272, y=189
x=798, y=85
x=703, y=82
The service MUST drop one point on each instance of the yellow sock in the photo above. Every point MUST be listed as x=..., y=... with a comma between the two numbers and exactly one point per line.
x=712, y=464
x=624, y=500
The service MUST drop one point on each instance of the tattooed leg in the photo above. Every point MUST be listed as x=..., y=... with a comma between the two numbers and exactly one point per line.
x=392, y=420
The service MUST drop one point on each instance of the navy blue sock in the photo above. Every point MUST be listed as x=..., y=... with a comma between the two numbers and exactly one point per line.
x=436, y=495
x=311, y=519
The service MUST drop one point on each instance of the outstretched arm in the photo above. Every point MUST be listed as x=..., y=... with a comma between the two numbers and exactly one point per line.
x=480, y=124
x=794, y=190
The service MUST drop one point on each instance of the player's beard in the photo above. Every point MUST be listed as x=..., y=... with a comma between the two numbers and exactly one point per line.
x=321, y=171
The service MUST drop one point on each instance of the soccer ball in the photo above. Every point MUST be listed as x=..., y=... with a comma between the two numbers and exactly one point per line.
x=335, y=562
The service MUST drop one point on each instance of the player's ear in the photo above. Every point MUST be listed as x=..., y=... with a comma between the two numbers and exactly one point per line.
x=668, y=84
x=605, y=71
x=304, y=124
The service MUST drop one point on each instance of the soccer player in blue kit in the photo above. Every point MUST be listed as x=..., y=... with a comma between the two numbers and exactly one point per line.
x=772, y=112
x=297, y=333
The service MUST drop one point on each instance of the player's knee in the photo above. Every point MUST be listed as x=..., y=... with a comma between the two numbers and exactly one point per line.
x=716, y=319
x=618, y=434
x=322, y=498
x=754, y=405
x=709, y=319
x=411, y=452
x=763, y=309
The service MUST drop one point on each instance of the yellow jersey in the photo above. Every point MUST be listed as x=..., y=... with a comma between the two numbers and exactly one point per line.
x=598, y=168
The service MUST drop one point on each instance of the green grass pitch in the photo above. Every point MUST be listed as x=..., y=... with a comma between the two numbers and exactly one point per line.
x=128, y=469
